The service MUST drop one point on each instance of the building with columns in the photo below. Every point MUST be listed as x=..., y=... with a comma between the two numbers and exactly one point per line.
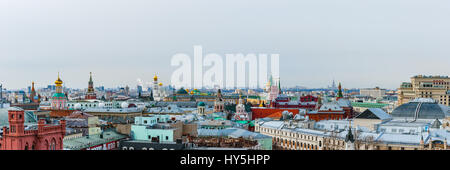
x=434, y=87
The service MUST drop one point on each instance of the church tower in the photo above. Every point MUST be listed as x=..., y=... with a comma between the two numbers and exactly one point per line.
x=241, y=114
x=33, y=97
x=59, y=98
x=219, y=104
x=90, y=93
x=155, y=89
x=349, y=139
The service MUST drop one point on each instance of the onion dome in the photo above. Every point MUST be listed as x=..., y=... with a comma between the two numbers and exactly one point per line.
x=202, y=104
x=155, y=78
x=182, y=91
x=124, y=105
x=160, y=84
x=77, y=106
x=58, y=82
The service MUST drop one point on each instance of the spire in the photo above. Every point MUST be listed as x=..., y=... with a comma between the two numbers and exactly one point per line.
x=58, y=82
x=279, y=85
x=90, y=76
x=349, y=136
x=339, y=95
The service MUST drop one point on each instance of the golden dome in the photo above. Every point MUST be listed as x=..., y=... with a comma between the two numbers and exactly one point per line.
x=160, y=84
x=58, y=82
x=155, y=78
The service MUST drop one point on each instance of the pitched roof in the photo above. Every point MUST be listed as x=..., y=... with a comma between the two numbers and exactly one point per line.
x=374, y=113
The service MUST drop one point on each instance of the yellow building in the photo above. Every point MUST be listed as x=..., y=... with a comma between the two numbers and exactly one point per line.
x=435, y=87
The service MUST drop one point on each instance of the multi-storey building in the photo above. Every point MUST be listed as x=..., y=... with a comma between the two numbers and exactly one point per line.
x=373, y=92
x=435, y=87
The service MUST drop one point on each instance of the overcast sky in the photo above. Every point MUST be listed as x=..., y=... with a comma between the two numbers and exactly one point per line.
x=360, y=43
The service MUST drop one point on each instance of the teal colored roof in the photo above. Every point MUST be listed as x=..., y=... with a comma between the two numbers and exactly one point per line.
x=59, y=95
x=182, y=91
x=250, y=123
x=219, y=118
x=369, y=105
x=201, y=104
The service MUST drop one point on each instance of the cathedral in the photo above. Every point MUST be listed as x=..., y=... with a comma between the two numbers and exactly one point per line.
x=241, y=114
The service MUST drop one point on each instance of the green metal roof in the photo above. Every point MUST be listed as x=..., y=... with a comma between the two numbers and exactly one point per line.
x=93, y=140
x=369, y=105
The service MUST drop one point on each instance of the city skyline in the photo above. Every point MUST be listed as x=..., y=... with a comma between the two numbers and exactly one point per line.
x=349, y=41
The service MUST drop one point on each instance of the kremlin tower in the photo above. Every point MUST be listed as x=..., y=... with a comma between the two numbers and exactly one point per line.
x=59, y=100
x=340, y=94
x=90, y=95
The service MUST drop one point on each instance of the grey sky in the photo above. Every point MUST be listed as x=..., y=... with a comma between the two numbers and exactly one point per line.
x=361, y=43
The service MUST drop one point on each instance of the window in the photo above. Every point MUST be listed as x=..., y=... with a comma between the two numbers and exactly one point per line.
x=167, y=137
x=131, y=148
x=144, y=148
x=124, y=148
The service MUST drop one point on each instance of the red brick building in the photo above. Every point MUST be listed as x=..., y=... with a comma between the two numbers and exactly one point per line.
x=328, y=111
x=45, y=137
x=262, y=112
x=305, y=102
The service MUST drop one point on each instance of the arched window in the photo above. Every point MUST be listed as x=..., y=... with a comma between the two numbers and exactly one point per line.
x=53, y=144
x=26, y=146
x=124, y=148
x=144, y=148
x=131, y=148
x=46, y=144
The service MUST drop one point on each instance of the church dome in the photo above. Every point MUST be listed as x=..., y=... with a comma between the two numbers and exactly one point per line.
x=77, y=106
x=182, y=91
x=202, y=104
x=124, y=105
x=426, y=109
x=155, y=78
